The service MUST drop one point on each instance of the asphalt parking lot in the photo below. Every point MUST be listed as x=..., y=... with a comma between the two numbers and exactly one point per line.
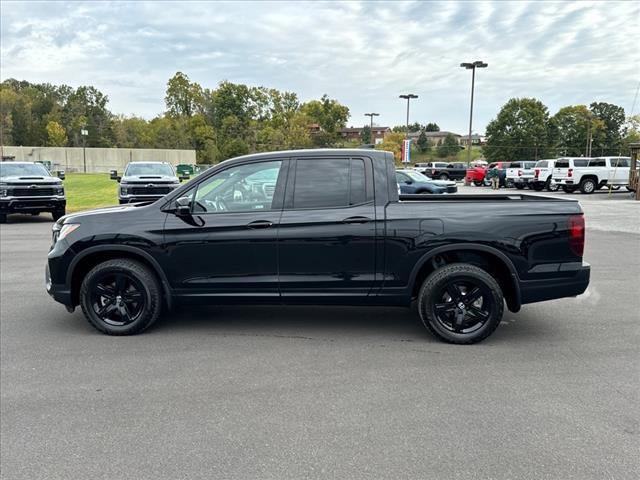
x=296, y=392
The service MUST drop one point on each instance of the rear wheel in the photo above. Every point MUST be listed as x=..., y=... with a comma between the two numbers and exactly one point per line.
x=551, y=186
x=538, y=187
x=460, y=303
x=588, y=185
x=519, y=186
x=121, y=297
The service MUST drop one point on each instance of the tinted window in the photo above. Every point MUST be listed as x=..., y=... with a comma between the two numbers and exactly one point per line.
x=515, y=165
x=562, y=164
x=239, y=189
x=620, y=162
x=542, y=164
x=529, y=164
x=598, y=162
x=581, y=163
x=321, y=183
x=358, y=191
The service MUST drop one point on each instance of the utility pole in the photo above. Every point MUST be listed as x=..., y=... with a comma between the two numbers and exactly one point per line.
x=408, y=97
x=371, y=115
x=472, y=66
x=84, y=132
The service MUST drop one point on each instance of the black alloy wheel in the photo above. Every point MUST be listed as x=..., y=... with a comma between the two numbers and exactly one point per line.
x=121, y=297
x=118, y=299
x=461, y=303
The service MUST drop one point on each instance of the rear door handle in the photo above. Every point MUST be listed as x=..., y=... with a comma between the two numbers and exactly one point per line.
x=356, y=220
x=260, y=224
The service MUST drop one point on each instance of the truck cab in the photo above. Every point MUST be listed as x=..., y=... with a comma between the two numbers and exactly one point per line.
x=28, y=187
x=145, y=181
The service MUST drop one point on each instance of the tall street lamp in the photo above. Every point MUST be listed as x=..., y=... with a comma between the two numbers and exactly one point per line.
x=408, y=97
x=84, y=132
x=371, y=115
x=472, y=66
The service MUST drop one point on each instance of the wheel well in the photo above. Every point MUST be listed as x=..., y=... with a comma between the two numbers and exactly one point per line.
x=85, y=265
x=489, y=262
x=591, y=177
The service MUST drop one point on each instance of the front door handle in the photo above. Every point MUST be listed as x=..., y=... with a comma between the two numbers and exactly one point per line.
x=260, y=224
x=356, y=220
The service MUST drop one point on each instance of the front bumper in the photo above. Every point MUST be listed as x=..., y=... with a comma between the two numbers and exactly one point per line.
x=573, y=282
x=59, y=292
x=33, y=204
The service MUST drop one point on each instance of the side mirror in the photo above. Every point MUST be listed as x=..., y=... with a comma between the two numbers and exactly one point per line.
x=408, y=182
x=61, y=175
x=113, y=175
x=183, y=207
x=184, y=177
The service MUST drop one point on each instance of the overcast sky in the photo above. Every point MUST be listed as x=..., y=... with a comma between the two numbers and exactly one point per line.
x=363, y=54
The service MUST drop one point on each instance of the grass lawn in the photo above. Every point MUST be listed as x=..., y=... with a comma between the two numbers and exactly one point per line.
x=90, y=190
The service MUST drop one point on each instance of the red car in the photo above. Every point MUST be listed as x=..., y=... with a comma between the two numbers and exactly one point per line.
x=476, y=174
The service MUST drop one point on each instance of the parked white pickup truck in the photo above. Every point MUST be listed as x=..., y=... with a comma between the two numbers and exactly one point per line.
x=543, y=176
x=519, y=174
x=597, y=173
x=564, y=168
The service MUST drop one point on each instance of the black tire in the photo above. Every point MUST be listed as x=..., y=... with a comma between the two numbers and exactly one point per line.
x=58, y=214
x=538, y=187
x=3, y=218
x=116, y=290
x=519, y=186
x=566, y=189
x=588, y=186
x=551, y=187
x=448, y=282
x=477, y=183
x=443, y=176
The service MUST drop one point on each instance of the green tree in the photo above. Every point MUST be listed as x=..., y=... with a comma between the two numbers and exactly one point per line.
x=521, y=131
x=432, y=127
x=571, y=127
x=609, y=141
x=57, y=135
x=365, y=136
x=183, y=97
x=632, y=133
x=423, y=143
x=329, y=114
x=449, y=147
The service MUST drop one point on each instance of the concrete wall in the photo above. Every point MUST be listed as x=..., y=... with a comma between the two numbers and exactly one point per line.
x=99, y=160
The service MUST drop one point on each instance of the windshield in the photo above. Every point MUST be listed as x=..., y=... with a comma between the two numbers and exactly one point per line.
x=142, y=169
x=22, y=170
x=416, y=176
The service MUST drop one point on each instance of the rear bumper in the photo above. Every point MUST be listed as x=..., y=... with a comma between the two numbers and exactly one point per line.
x=18, y=205
x=574, y=283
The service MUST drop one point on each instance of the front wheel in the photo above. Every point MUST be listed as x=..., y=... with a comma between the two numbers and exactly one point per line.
x=121, y=297
x=477, y=183
x=58, y=214
x=461, y=303
x=443, y=176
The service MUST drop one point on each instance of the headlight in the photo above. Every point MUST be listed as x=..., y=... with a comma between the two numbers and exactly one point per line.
x=59, y=190
x=124, y=190
x=61, y=231
x=3, y=189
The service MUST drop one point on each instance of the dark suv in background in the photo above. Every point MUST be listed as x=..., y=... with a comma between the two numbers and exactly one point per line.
x=145, y=181
x=27, y=187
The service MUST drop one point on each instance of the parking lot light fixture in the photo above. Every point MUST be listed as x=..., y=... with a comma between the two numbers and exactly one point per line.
x=408, y=97
x=472, y=66
x=371, y=115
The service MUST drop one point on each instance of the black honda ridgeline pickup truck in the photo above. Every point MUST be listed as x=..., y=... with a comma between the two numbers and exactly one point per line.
x=318, y=227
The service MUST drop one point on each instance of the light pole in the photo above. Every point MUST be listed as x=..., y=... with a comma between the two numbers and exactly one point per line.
x=472, y=66
x=84, y=132
x=408, y=97
x=371, y=115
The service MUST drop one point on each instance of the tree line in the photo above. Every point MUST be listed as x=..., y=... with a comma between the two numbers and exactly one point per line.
x=223, y=122
x=234, y=119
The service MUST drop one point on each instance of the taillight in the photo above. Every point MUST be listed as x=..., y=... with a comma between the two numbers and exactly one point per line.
x=570, y=172
x=537, y=172
x=519, y=173
x=576, y=234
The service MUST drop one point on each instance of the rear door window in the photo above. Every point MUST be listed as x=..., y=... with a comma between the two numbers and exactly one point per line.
x=580, y=163
x=620, y=162
x=598, y=162
x=329, y=183
x=542, y=164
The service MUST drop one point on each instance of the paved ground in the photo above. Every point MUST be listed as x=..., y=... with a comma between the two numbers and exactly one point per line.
x=276, y=393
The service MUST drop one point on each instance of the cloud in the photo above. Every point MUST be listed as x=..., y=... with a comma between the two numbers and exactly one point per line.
x=362, y=53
